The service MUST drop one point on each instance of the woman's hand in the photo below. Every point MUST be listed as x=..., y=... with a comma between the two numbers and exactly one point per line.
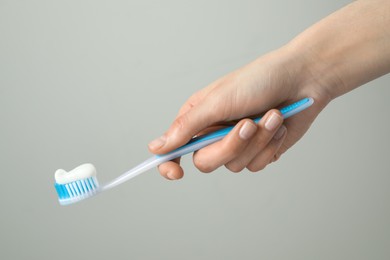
x=268, y=82
x=343, y=51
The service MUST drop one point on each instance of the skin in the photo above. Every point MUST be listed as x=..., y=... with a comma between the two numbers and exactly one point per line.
x=334, y=56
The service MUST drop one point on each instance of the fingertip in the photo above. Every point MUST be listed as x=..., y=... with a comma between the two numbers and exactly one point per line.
x=280, y=133
x=247, y=130
x=273, y=120
x=275, y=111
x=171, y=170
x=155, y=145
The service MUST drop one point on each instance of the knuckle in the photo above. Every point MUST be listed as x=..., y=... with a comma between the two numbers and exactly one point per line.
x=179, y=122
x=276, y=157
x=234, y=167
x=252, y=167
x=203, y=165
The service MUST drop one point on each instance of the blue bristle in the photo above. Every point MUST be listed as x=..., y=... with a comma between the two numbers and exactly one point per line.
x=73, y=191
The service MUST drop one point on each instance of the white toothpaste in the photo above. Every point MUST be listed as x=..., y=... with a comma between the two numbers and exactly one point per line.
x=83, y=171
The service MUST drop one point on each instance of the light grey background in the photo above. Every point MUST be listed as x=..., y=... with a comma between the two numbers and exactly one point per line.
x=95, y=81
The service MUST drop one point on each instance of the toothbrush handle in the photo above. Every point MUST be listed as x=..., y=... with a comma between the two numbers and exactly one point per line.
x=195, y=144
x=199, y=142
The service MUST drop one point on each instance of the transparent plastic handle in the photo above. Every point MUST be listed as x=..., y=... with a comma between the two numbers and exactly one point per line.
x=195, y=144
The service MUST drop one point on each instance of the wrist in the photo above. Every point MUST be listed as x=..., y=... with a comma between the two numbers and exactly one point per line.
x=345, y=50
x=310, y=76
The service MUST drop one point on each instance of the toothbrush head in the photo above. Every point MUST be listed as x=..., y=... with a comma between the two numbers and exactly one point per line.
x=77, y=184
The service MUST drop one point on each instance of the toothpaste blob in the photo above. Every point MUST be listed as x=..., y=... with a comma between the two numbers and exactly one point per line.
x=81, y=172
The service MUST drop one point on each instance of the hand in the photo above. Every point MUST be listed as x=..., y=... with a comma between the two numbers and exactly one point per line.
x=246, y=93
x=334, y=56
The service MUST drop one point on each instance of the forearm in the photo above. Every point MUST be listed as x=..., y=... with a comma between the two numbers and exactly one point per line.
x=346, y=49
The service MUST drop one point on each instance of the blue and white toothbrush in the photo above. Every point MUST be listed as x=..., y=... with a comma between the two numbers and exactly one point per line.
x=81, y=182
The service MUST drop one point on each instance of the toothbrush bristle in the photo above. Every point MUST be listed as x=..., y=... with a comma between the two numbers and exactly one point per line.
x=72, y=192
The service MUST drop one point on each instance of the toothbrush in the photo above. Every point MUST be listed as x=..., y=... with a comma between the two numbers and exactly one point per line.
x=81, y=182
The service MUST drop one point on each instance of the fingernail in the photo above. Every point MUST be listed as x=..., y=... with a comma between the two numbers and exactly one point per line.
x=280, y=132
x=157, y=143
x=273, y=121
x=247, y=130
x=171, y=176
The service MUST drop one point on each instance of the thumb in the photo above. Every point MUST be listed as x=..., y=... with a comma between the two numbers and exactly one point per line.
x=184, y=127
